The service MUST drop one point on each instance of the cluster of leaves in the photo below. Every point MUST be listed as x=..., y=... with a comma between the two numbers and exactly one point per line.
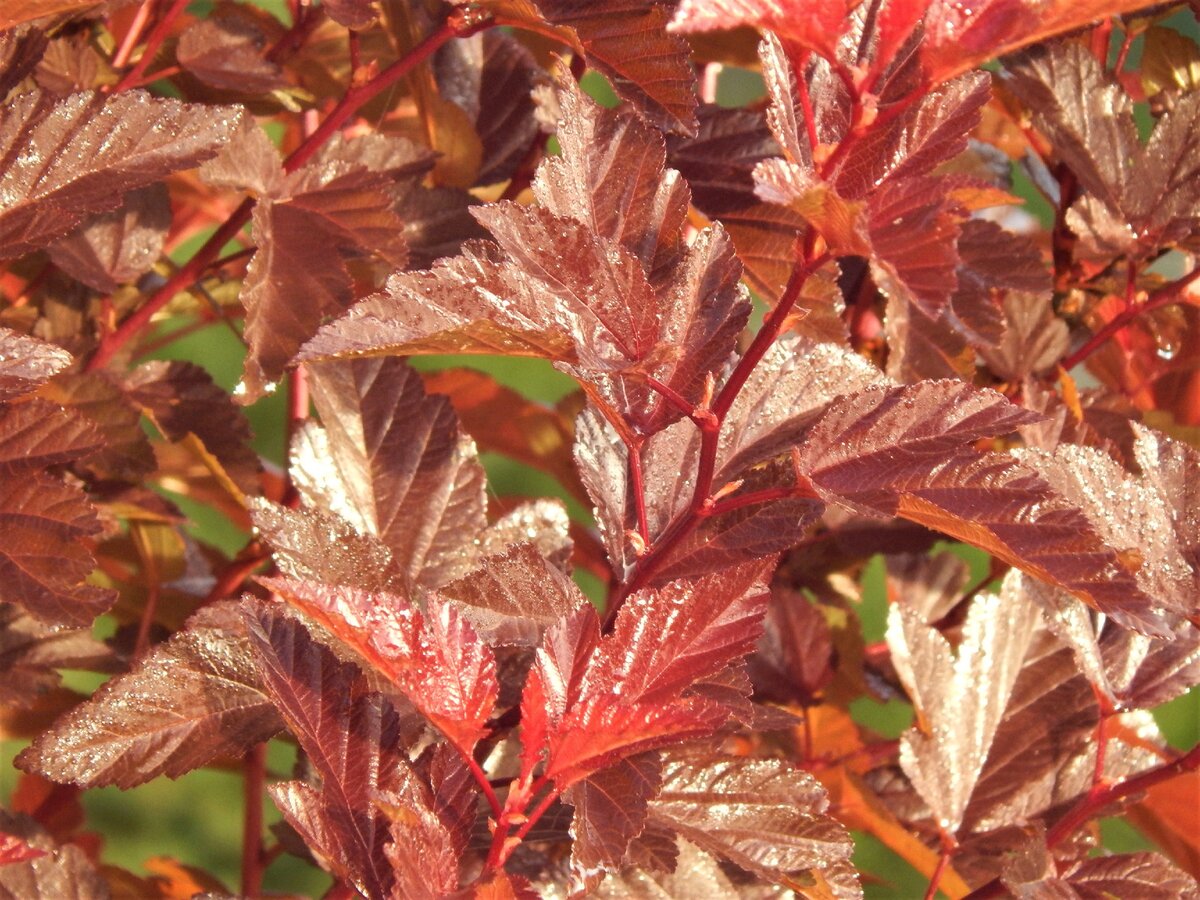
x=364, y=181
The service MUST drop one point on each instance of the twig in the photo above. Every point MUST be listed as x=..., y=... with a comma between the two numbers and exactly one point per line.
x=1166, y=295
x=1095, y=801
x=709, y=422
x=157, y=35
x=121, y=58
x=457, y=25
x=254, y=771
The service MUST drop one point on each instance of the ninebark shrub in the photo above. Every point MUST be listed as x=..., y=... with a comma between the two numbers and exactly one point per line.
x=935, y=288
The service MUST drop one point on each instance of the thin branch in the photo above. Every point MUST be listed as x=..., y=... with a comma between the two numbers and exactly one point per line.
x=709, y=421
x=121, y=58
x=157, y=35
x=457, y=25
x=485, y=785
x=254, y=771
x=1096, y=801
x=1167, y=295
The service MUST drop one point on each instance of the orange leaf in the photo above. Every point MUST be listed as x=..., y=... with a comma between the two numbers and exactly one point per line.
x=856, y=806
x=1170, y=817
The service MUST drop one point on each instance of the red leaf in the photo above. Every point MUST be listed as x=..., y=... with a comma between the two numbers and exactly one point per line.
x=599, y=282
x=352, y=740
x=226, y=52
x=338, y=207
x=761, y=814
x=181, y=398
x=863, y=442
x=435, y=658
x=610, y=811
x=35, y=434
x=629, y=692
x=816, y=26
x=15, y=850
x=490, y=76
x=511, y=597
x=26, y=362
x=49, y=871
x=117, y=247
x=31, y=651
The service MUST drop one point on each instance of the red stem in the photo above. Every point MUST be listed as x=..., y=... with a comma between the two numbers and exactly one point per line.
x=157, y=35
x=255, y=773
x=455, y=26
x=709, y=422
x=121, y=58
x=942, y=863
x=753, y=498
x=485, y=785
x=147, y=620
x=1095, y=801
x=1166, y=295
x=638, y=486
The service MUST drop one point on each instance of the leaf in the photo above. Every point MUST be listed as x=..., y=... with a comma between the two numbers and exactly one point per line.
x=1141, y=197
x=30, y=652
x=502, y=420
x=626, y=41
x=180, y=398
x=784, y=396
x=913, y=233
x=760, y=814
x=959, y=699
x=81, y=154
x=1149, y=519
x=227, y=52
x=55, y=871
x=912, y=145
x=26, y=362
x=610, y=811
x=1131, y=670
x=100, y=399
x=43, y=562
x=191, y=699
x=1011, y=512
x=813, y=26
x=864, y=441
x=512, y=597
x=21, y=49
x=794, y=659
x=394, y=464
x=35, y=434
x=15, y=850
x=490, y=76
x=613, y=304
x=959, y=37
x=337, y=208
x=117, y=247
x=434, y=658
x=1168, y=817
x=697, y=874
x=1063, y=87
x=352, y=740
x=597, y=702
x=356, y=14
x=1129, y=874
x=303, y=540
